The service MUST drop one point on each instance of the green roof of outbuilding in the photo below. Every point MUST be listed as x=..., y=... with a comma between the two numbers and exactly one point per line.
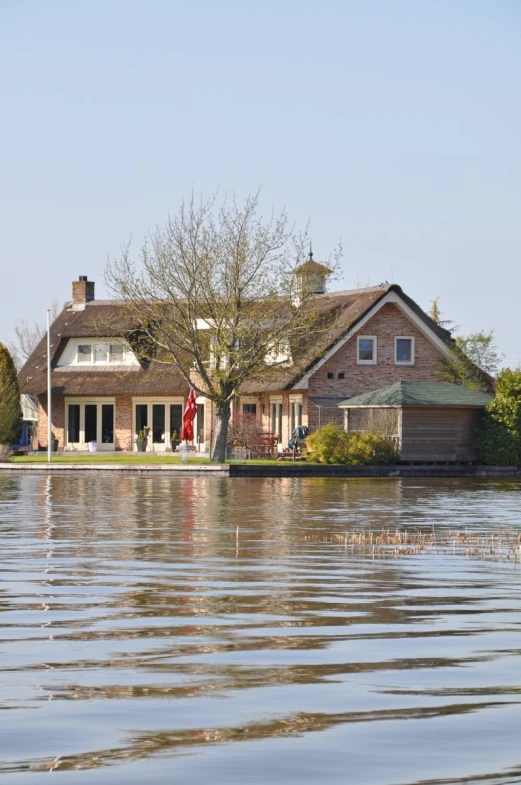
x=420, y=394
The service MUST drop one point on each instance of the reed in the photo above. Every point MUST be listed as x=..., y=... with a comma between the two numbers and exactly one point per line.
x=500, y=546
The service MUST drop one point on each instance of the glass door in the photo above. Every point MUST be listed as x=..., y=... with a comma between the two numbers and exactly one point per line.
x=89, y=421
x=162, y=418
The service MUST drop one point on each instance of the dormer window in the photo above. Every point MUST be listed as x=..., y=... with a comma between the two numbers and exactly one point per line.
x=100, y=353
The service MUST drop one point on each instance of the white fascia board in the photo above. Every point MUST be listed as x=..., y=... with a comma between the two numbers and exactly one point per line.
x=395, y=299
x=202, y=324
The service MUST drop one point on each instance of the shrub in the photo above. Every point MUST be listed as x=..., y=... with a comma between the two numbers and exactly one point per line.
x=328, y=444
x=499, y=442
x=331, y=444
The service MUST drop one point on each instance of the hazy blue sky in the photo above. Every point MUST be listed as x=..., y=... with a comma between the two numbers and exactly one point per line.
x=395, y=125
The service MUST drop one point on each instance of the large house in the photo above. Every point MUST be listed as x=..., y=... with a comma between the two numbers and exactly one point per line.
x=376, y=336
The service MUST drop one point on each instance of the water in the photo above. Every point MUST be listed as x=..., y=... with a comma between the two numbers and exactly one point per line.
x=144, y=639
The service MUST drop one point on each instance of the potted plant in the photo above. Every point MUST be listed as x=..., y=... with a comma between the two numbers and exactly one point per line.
x=54, y=442
x=142, y=438
x=175, y=441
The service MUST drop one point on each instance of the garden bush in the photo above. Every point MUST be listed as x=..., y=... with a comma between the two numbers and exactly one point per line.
x=499, y=442
x=331, y=444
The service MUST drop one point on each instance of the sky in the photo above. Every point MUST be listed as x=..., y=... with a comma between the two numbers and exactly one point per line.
x=391, y=124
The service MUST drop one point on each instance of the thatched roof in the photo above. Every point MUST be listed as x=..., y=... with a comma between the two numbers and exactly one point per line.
x=99, y=319
x=339, y=312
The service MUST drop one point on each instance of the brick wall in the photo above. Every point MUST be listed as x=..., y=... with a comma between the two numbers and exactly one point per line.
x=123, y=435
x=388, y=323
x=57, y=420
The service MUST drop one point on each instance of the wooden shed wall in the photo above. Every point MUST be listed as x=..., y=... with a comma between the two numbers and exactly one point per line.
x=439, y=434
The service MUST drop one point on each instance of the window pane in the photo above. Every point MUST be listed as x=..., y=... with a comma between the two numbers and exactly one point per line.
x=85, y=353
x=141, y=416
x=276, y=420
x=366, y=349
x=200, y=422
x=403, y=350
x=91, y=422
x=74, y=423
x=116, y=353
x=100, y=353
x=176, y=419
x=158, y=423
x=107, y=423
x=249, y=408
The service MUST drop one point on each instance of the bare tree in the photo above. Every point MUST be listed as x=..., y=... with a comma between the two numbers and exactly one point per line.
x=215, y=295
x=28, y=335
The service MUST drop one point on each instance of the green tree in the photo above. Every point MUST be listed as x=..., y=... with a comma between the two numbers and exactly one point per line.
x=481, y=349
x=499, y=442
x=475, y=359
x=436, y=315
x=10, y=408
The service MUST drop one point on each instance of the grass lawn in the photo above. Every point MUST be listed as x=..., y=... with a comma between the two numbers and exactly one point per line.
x=128, y=458
x=133, y=459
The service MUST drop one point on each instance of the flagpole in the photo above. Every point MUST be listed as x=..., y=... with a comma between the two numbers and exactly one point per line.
x=49, y=407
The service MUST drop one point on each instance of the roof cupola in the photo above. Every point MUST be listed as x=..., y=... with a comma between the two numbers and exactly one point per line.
x=311, y=276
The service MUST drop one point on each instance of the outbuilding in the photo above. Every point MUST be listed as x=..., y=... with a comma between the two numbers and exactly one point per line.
x=428, y=421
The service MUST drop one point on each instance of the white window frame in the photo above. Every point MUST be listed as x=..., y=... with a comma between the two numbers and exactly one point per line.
x=294, y=420
x=372, y=338
x=277, y=402
x=403, y=338
x=150, y=401
x=92, y=400
x=201, y=446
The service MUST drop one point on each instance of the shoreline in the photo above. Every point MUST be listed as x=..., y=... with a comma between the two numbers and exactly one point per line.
x=274, y=470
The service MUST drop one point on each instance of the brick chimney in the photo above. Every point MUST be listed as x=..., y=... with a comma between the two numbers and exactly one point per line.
x=82, y=292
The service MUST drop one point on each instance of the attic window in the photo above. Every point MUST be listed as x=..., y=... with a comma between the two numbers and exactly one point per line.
x=341, y=375
x=404, y=351
x=330, y=375
x=366, y=354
